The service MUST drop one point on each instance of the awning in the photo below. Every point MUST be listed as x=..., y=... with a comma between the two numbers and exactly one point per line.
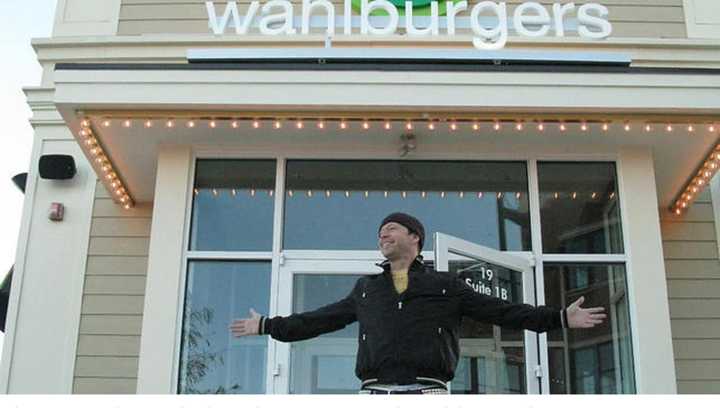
x=129, y=110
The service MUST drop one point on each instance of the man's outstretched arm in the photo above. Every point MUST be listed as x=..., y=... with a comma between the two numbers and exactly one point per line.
x=298, y=326
x=523, y=316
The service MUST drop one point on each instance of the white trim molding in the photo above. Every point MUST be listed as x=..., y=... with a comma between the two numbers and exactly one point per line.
x=702, y=18
x=86, y=18
x=163, y=297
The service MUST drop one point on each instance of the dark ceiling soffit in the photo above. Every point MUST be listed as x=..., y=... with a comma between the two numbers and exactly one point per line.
x=370, y=65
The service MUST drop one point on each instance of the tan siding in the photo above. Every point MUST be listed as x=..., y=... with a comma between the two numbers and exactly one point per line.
x=113, y=298
x=108, y=346
x=698, y=387
x=698, y=369
x=97, y=366
x=100, y=385
x=107, y=324
x=693, y=279
x=121, y=227
x=697, y=349
x=631, y=18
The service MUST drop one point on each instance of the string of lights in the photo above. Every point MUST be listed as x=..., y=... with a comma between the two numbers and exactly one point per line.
x=688, y=193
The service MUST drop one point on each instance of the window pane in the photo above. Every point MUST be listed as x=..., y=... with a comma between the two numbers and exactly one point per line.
x=233, y=205
x=339, y=204
x=325, y=364
x=596, y=360
x=492, y=359
x=579, y=208
x=212, y=361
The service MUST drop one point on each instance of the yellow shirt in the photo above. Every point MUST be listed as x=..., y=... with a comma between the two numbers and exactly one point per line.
x=400, y=280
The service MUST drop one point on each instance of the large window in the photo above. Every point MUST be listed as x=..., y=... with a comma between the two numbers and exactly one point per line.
x=579, y=210
x=580, y=220
x=212, y=361
x=338, y=204
x=330, y=211
x=597, y=360
x=233, y=205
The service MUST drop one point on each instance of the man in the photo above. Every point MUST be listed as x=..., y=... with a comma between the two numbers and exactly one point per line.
x=408, y=339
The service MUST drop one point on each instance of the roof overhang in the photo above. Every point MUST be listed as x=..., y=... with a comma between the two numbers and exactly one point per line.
x=598, y=107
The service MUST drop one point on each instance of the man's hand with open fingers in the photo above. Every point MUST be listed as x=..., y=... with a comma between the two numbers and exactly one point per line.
x=579, y=318
x=246, y=327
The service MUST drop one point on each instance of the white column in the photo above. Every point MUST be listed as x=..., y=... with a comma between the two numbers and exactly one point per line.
x=163, y=297
x=45, y=298
x=647, y=288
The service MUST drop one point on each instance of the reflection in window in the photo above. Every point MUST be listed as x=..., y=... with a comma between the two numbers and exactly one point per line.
x=596, y=360
x=579, y=208
x=340, y=203
x=492, y=359
x=325, y=364
x=233, y=205
x=212, y=361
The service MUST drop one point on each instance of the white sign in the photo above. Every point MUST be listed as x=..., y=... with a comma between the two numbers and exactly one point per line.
x=530, y=19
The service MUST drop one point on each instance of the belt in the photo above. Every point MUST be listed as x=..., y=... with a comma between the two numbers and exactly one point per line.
x=424, y=385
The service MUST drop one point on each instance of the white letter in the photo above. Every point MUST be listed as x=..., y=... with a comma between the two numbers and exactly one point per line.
x=410, y=27
x=452, y=10
x=498, y=34
x=268, y=19
x=559, y=11
x=367, y=8
x=231, y=9
x=542, y=19
x=307, y=7
x=584, y=19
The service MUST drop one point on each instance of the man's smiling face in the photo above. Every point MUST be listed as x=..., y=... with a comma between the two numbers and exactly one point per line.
x=396, y=241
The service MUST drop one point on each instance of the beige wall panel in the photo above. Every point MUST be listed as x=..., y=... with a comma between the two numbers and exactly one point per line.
x=115, y=285
x=692, y=269
x=695, y=308
x=698, y=387
x=633, y=18
x=698, y=212
x=113, y=367
x=132, y=246
x=108, y=208
x=105, y=304
x=195, y=11
x=121, y=227
x=688, y=250
x=694, y=289
x=92, y=385
x=695, y=329
x=104, y=324
x=620, y=29
x=697, y=349
x=698, y=369
x=689, y=231
x=103, y=345
x=117, y=265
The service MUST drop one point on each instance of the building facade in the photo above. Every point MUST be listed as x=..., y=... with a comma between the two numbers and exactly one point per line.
x=235, y=155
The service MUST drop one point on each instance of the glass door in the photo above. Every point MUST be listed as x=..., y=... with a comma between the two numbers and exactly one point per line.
x=493, y=360
x=325, y=364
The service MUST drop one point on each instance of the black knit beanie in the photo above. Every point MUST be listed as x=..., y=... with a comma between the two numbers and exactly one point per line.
x=409, y=222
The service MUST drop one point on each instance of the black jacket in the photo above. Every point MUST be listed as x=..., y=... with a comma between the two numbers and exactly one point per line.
x=413, y=334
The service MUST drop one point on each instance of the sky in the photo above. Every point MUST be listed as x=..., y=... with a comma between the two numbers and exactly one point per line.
x=20, y=20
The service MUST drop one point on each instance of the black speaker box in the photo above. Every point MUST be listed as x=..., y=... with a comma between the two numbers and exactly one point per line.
x=57, y=167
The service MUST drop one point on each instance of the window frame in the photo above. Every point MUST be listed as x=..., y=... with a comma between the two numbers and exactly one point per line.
x=276, y=364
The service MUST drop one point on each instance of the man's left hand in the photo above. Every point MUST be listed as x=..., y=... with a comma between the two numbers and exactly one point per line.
x=579, y=318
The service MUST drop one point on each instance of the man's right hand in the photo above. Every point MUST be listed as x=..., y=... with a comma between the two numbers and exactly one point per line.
x=246, y=327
